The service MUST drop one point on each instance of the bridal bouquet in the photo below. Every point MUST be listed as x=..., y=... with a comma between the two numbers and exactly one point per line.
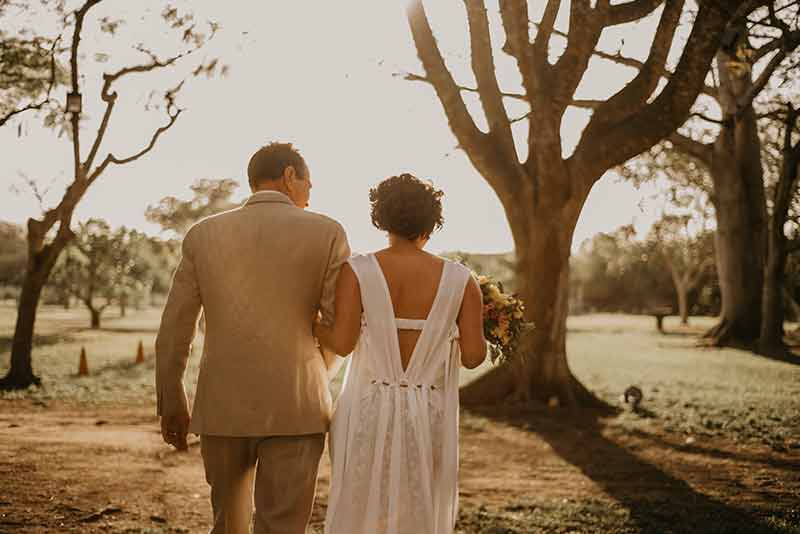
x=503, y=320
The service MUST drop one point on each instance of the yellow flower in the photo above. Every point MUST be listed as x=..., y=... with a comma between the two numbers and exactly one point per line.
x=518, y=314
x=495, y=294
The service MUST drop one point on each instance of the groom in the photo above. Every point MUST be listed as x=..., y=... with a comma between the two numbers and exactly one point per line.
x=261, y=273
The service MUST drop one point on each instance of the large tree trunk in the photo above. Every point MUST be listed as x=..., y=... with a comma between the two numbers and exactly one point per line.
x=740, y=204
x=542, y=373
x=20, y=375
x=771, y=335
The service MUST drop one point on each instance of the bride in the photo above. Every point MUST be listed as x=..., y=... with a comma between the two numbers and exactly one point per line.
x=410, y=319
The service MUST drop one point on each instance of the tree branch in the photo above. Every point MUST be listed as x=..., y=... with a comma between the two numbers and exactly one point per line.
x=541, y=45
x=788, y=43
x=656, y=120
x=634, y=95
x=80, y=15
x=695, y=149
x=631, y=11
x=172, y=112
x=709, y=90
x=584, y=33
x=469, y=137
x=514, y=14
x=488, y=89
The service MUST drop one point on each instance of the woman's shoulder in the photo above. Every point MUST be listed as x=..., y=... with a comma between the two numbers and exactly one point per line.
x=462, y=270
x=359, y=263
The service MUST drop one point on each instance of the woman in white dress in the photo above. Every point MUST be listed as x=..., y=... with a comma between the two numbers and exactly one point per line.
x=410, y=320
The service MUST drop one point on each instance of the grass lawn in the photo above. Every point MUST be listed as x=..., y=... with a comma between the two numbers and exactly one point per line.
x=716, y=448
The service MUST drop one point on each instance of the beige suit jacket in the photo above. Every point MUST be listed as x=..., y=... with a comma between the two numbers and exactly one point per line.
x=260, y=273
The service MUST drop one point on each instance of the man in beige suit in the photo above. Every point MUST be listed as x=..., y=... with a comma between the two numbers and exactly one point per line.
x=261, y=273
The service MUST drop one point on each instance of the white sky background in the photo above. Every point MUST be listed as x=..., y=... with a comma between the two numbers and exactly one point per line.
x=319, y=74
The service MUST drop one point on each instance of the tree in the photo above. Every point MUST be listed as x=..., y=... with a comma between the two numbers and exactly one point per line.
x=49, y=235
x=687, y=253
x=757, y=48
x=29, y=69
x=12, y=253
x=103, y=266
x=786, y=168
x=210, y=197
x=543, y=193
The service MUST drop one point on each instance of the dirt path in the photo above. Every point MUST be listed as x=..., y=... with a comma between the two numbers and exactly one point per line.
x=89, y=469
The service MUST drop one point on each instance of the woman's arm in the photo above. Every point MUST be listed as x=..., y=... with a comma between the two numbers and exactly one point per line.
x=341, y=337
x=470, y=326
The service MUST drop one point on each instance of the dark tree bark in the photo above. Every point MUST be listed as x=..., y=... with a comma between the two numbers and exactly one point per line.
x=740, y=204
x=771, y=334
x=543, y=195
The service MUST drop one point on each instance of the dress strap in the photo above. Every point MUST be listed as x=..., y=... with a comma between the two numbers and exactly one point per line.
x=409, y=324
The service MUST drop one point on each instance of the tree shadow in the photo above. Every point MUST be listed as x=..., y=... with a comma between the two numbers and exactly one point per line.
x=777, y=463
x=657, y=501
x=780, y=354
x=120, y=330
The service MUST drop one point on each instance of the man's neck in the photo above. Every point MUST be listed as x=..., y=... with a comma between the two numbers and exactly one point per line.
x=267, y=189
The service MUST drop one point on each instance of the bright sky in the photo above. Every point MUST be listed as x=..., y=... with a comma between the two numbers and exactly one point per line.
x=319, y=74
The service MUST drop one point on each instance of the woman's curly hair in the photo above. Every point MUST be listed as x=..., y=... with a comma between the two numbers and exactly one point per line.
x=406, y=206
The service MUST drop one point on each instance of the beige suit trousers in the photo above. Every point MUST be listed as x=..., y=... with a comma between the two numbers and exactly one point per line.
x=284, y=470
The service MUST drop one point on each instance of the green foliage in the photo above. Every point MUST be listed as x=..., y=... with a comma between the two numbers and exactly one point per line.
x=102, y=266
x=615, y=272
x=13, y=254
x=499, y=267
x=209, y=197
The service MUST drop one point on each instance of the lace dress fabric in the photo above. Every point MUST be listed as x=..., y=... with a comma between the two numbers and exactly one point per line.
x=394, y=435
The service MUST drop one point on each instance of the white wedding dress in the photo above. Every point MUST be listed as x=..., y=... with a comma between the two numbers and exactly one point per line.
x=394, y=435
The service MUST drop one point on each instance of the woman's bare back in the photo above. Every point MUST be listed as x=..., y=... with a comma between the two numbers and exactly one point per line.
x=413, y=277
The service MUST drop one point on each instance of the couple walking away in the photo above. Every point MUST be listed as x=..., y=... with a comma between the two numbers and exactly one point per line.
x=281, y=297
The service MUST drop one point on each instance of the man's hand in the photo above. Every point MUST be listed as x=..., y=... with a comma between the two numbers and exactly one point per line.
x=175, y=429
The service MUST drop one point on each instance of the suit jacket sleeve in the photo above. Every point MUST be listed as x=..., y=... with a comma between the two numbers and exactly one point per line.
x=339, y=252
x=175, y=335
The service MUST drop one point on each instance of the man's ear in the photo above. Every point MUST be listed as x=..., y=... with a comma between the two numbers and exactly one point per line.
x=289, y=175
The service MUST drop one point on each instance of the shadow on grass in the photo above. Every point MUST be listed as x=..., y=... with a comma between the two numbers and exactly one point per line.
x=118, y=330
x=777, y=463
x=657, y=501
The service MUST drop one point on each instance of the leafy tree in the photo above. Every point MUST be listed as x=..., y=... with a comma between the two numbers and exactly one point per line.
x=544, y=191
x=687, y=253
x=103, y=266
x=12, y=254
x=29, y=66
x=49, y=235
x=209, y=197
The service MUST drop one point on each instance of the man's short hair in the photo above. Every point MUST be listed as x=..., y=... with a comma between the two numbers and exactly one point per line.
x=269, y=162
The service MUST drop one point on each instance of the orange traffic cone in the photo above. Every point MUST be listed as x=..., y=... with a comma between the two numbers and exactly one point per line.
x=83, y=367
x=140, y=353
